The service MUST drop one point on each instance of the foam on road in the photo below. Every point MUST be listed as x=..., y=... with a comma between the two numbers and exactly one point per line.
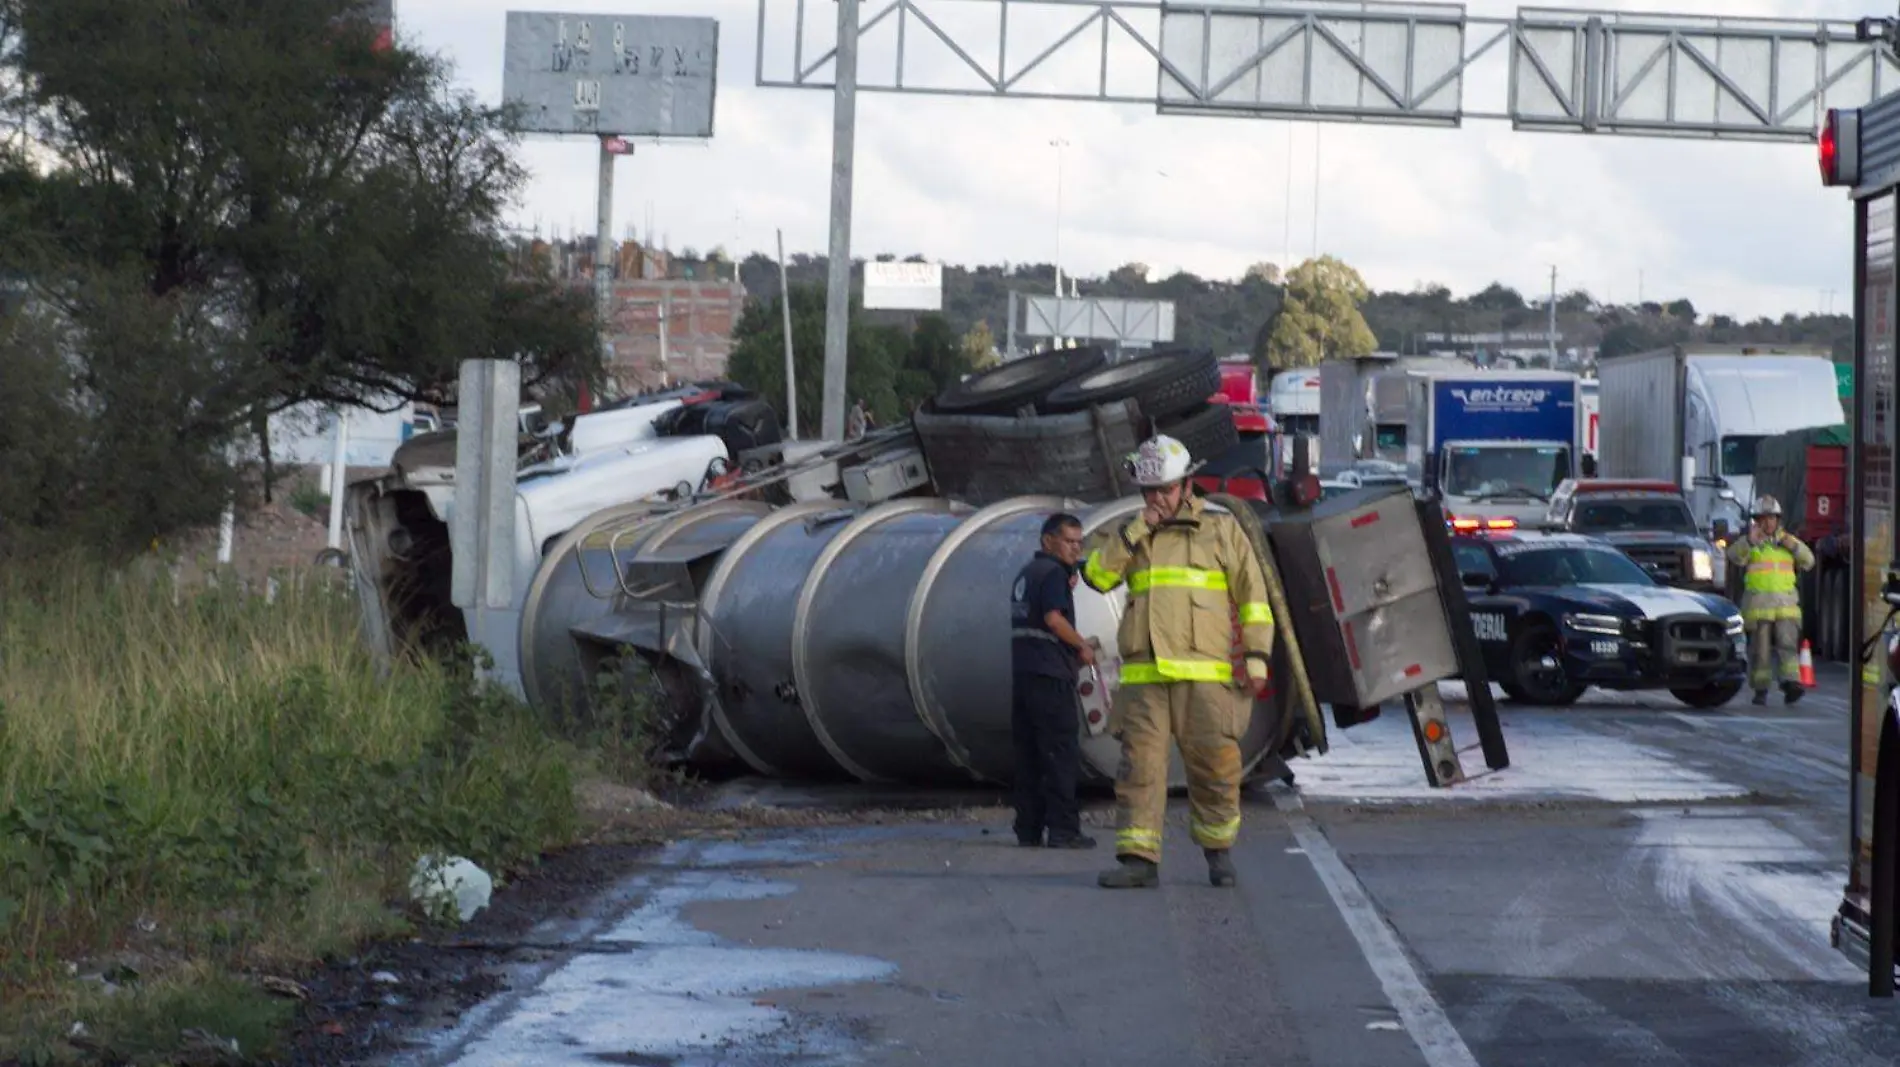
x=1550, y=759
x=654, y=988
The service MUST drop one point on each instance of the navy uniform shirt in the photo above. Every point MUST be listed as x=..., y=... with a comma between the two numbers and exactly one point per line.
x=1041, y=587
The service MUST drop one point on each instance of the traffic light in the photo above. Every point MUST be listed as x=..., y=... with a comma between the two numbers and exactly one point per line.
x=1840, y=147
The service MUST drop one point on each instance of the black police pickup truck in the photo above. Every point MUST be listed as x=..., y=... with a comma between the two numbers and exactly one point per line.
x=1648, y=520
x=1557, y=613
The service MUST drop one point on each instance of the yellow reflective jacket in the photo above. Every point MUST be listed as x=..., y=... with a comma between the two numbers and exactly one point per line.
x=1768, y=582
x=1187, y=580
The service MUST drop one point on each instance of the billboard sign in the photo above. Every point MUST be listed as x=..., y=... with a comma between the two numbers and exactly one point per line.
x=903, y=287
x=611, y=75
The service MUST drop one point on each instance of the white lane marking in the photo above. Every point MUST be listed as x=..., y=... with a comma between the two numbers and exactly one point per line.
x=1424, y=1018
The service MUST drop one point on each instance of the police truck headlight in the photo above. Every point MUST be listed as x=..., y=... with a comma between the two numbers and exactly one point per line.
x=1595, y=624
x=1701, y=567
x=1734, y=625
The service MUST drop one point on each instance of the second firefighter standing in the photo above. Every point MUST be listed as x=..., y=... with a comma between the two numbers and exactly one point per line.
x=1771, y=605
x=1190, y=569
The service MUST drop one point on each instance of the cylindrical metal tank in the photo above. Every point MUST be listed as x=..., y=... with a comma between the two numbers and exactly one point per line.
x=845, y=641
x=578, y=584
x=849, y=644
x=956, y=632
x=747, y=612
x=552, y=676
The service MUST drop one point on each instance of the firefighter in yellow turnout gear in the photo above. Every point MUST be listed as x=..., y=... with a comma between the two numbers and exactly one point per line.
x=1771, y=607
x=1184, y=564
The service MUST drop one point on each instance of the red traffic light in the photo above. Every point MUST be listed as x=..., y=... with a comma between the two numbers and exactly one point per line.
x=1840, y=147
x=1830, y=148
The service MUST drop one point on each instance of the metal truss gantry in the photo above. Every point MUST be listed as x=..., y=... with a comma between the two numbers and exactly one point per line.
x=1562, y=70
x=1334, y=60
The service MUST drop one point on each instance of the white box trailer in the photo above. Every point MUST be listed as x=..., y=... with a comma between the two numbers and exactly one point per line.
x=1692, y=414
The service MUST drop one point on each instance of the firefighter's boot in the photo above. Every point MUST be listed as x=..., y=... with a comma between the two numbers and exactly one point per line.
x=1220, y=867
x=1791, y=692
x=1761, y=697
x=1134, y=873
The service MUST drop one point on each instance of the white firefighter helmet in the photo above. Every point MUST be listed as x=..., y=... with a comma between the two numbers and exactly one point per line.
x=1766, y=506
x=1160, y=461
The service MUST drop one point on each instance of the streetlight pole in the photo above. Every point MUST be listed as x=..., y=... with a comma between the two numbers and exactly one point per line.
x=1059, y=145
x=1553, y=317
x=844, y=128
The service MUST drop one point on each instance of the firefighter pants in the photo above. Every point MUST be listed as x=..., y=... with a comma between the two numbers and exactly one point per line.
x=1207, y=720
x=1768, y=641
x=1047, y=731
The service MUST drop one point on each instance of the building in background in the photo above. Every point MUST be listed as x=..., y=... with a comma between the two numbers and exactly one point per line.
x=672, y=317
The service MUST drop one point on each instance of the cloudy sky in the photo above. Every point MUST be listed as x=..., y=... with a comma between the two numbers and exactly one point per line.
x=1739, y=228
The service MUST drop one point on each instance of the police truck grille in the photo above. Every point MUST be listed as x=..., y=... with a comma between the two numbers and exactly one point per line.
x=1668, y=560
x=1710, y=631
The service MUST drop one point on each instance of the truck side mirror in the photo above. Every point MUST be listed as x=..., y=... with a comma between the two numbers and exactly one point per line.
x=1721, y=529
x=1477, y=580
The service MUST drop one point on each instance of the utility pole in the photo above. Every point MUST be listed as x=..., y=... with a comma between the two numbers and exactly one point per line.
x=1553, y=317
x=844, y=131
x=791, y=368
x=610, y=147
x=1318, y=130
x=1059, y=145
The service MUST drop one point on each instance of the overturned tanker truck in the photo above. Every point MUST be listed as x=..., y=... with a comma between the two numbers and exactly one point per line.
x=840, y=610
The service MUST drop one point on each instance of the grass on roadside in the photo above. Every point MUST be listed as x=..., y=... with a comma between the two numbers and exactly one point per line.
x=196, y=789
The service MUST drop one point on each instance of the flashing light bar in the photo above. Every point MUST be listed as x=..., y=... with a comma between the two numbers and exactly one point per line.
x=1471, y=525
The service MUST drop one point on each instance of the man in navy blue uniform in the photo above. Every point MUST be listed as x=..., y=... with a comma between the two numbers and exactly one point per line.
x=1046, y=654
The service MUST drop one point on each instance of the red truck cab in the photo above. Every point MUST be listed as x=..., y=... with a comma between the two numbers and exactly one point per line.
x=1241, y=470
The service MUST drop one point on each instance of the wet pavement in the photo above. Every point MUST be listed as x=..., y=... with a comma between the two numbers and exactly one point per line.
x=1645, y=885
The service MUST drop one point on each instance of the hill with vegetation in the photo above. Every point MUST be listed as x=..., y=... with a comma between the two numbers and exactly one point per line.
x=1236, y=315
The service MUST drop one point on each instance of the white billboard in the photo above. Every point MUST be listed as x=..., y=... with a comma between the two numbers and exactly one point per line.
x=903, y=287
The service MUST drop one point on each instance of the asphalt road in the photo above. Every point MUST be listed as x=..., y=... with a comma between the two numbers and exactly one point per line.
x=1645, y=885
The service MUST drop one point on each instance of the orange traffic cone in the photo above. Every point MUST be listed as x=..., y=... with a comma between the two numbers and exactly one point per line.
x=1807, y=664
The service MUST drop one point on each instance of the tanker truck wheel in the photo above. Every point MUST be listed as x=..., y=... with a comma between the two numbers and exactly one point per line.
x=1206, y=433
x=1165, y=384
x=1007, y=389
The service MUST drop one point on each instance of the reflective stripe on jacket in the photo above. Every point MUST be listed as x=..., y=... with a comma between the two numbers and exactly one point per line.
x=1187, y=581
x=1768, y=578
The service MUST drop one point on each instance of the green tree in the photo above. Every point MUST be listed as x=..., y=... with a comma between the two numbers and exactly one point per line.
x=337, y=208
x=758, y=357
x=1319, y=318
x=125, y=446
x=1265, y=272
x=979, y=346
x=934, y=357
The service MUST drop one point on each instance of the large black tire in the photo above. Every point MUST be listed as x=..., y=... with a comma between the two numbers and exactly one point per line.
x=1709, y=696
x=1541, y=685
x=1020, y=383
x=1207, y=433
x=1165, y=384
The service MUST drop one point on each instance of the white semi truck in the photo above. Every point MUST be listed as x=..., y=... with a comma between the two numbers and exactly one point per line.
x=1694, y=413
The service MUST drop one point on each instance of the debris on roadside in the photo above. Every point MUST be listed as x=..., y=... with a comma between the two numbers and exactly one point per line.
x=452, y=886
